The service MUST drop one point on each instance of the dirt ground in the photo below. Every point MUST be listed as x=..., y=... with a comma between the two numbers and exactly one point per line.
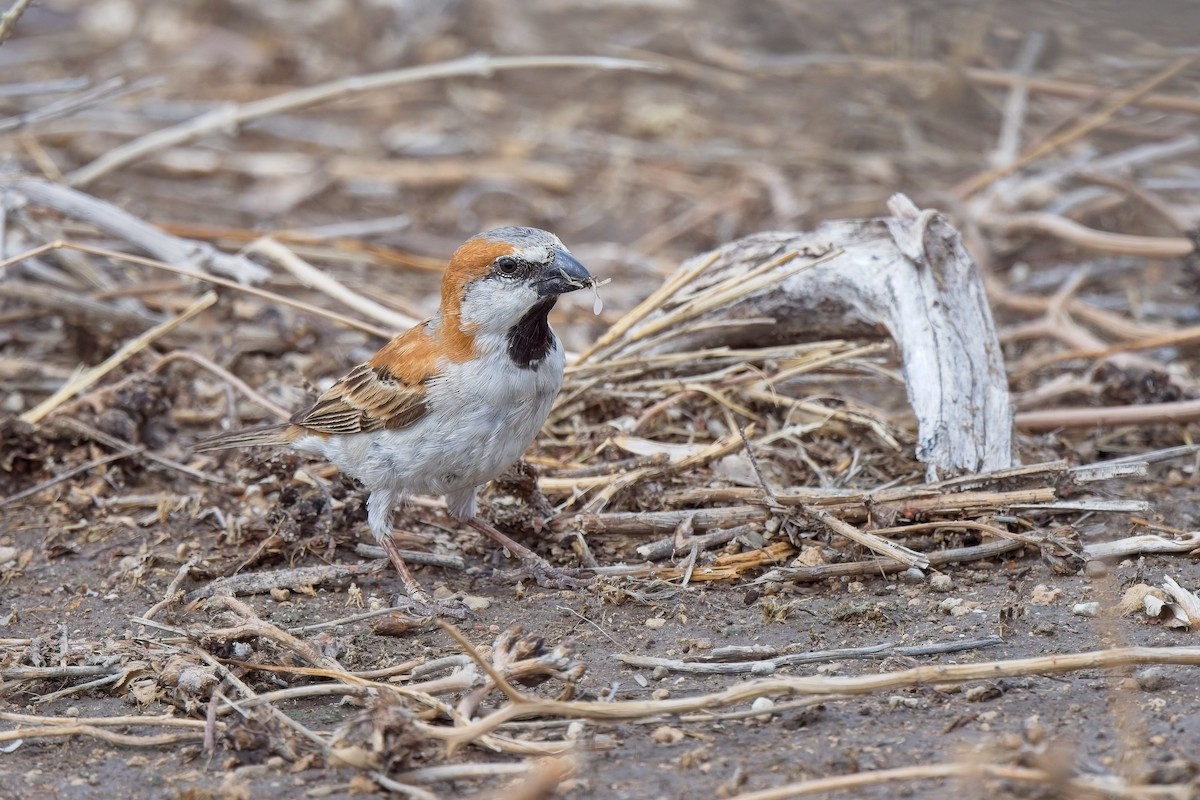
x=773, y=116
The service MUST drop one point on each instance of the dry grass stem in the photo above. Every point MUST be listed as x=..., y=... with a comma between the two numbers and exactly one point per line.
x=249, y=583
x=67, y=475
x=252, y=625
x=832, y=686
x=1085, y=126
x=871, y=541
x=89, y=376
x=1082, y=787
x=1138, y=414
x=767, y=666
x=233, y=116
x=1159, y=247
x=8, y=20
x=312, y=277
x=100, y=734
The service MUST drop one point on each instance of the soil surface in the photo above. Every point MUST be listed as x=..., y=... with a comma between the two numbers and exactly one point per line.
x=769, y=120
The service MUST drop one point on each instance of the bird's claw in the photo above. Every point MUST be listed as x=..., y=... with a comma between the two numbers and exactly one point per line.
x=550, y=577
x=422, y=604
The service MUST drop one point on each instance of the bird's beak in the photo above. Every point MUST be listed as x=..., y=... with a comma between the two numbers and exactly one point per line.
x=563, y=274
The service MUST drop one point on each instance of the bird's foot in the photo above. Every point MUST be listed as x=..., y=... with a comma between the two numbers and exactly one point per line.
x=551, y=577
x=418, y=601
x=532, y=565
x=422, y=604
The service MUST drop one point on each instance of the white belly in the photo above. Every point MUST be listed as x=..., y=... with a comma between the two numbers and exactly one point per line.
x=481, y=419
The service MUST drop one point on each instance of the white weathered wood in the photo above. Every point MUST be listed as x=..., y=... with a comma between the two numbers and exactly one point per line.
x=906, y=276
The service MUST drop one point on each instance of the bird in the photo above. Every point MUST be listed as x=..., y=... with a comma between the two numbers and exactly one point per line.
x=451, y=403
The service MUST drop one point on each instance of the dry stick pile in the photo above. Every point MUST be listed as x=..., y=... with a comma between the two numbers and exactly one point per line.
x=625, y=437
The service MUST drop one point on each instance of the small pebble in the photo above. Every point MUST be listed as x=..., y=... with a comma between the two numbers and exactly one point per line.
x=476, y=602
x=660, y=694
x=660, y=672
x=764, y=704
x=754, y=540
x=1091, y=609
x=982, y=693
x=1095, y=569
x=1011, y=741
x=1151, y=679
x=656, y=622
x=856, y=587
x=912, y=575
x=665, y=734
x=279, y=594
x=1043, y=595
x=949, y=604
x=941, y=583
x=900, y=701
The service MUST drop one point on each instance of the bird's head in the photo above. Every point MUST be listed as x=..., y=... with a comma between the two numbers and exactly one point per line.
x=498, y=279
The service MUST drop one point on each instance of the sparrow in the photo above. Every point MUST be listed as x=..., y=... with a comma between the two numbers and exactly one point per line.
x=451, y=403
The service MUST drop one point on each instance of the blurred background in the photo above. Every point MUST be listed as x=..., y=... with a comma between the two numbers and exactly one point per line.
x=769, y=115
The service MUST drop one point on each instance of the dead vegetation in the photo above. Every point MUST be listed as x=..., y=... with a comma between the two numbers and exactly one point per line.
x=203, y=249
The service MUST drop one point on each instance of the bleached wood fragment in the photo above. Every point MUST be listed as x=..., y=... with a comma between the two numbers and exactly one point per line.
x=906, y=276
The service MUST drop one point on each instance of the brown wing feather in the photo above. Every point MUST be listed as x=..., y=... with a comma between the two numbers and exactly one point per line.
x=369, y=398
x=386, y=393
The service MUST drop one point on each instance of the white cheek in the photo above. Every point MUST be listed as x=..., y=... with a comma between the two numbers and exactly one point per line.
x=494, y=306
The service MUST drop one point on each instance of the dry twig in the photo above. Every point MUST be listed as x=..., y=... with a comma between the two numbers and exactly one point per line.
x=841, y=686
x=1089, y=786
x=230, y=117
x=1078, y=130
x=8, y=20
x=86, y=378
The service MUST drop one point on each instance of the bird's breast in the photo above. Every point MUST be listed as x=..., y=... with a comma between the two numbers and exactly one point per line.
x=482, y=416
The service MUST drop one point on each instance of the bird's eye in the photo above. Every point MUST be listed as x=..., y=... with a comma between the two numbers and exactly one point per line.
x=507, y=265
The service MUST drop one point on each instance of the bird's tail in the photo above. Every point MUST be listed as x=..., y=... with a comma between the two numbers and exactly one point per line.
x=251, y=437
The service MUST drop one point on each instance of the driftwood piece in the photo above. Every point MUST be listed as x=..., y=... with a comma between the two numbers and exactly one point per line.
x=907, y=276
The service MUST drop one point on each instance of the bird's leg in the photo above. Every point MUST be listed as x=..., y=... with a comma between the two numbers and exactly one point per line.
x=415, y=593
x=422, y=602
x=541, y=570
x=379, y=517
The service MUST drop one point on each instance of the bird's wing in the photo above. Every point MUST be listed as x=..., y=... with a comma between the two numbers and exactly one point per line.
x=386, y=393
